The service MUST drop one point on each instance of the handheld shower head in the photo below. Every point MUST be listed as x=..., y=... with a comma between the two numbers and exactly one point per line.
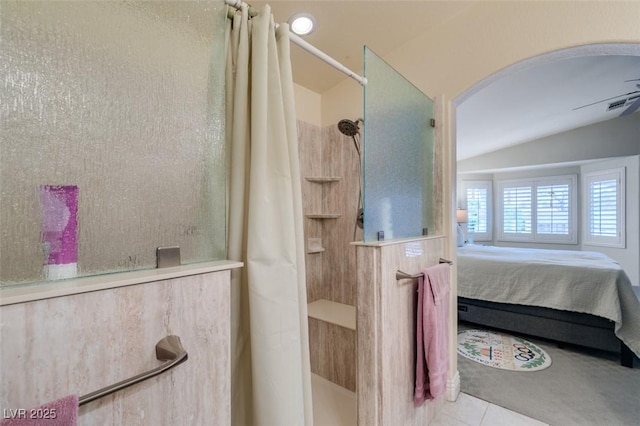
x=348, y=127
x=351, y=129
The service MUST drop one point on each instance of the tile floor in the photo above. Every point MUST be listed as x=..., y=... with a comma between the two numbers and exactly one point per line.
x=333, y=405
x=336, y=406
x=471, y=411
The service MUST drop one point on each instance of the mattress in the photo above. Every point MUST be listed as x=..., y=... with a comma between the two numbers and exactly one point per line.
x=575, y=281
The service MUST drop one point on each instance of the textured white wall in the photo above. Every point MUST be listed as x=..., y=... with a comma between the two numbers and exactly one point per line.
x=612, y=138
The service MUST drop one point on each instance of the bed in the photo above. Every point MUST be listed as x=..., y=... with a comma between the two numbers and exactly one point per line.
x=578, y=297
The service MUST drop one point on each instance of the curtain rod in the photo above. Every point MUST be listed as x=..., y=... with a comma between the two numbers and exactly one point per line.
x=305, y=45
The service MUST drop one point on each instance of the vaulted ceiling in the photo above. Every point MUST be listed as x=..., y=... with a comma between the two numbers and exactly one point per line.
x=547, y=99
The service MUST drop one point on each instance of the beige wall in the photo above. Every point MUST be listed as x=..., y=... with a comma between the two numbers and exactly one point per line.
x=308, y=105
x=488, y=37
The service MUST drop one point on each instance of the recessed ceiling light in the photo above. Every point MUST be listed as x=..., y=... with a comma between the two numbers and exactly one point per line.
x=302, y=23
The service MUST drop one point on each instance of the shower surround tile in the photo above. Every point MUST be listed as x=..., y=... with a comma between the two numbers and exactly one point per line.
x=331, y=274
x=325, y=152
x=333, y=353
x=310, y=155
x=339, y=269
x=78, y=344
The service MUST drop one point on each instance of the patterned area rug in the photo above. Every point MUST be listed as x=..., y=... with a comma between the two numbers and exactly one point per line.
x=502, y=351
x=583, y=387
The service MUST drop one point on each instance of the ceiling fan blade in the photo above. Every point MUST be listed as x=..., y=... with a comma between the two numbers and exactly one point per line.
x=635, y=79
x=608, y=99
x=632, y=108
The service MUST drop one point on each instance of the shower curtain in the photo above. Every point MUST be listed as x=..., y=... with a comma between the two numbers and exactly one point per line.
x=271, y=374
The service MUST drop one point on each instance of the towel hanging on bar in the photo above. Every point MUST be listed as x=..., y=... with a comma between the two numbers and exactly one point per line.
x=432, y=347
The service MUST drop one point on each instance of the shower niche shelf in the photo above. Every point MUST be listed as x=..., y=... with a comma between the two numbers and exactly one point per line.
x=314, y=245
x=323, y=179
x=323, y=216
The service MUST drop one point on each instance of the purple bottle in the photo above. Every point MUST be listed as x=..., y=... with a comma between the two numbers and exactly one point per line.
x=59, y=232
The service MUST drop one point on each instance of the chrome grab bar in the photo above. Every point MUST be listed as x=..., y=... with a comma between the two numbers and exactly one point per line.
x=168, y=349
x=400, y=275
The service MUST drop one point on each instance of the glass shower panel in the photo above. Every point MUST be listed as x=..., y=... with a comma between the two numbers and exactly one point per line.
x=398, y=154
x=112, y=117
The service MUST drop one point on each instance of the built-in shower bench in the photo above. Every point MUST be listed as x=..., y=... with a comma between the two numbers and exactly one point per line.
x=333, y=345
x=333, y=312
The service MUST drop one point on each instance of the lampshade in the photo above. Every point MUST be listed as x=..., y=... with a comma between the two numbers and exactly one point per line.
x=462, y=216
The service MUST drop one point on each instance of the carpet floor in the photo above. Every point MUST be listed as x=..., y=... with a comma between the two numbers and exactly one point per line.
x=581, y=387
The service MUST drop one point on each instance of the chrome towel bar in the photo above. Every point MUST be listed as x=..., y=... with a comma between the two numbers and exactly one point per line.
x=404, y=276
x=168, y=349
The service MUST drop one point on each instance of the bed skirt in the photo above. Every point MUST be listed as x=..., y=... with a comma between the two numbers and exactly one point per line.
x=561, y=326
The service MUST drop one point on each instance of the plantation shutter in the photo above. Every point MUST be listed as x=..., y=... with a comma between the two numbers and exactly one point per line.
x=477, y=208
x=552, y=209
x=603, y=208
x=516, y=210
x=604, y=193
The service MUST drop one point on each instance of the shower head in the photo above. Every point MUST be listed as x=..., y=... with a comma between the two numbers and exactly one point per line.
x=348, y=127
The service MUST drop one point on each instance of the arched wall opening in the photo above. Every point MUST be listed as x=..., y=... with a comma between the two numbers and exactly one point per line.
x=623, y=49
x=625, y=145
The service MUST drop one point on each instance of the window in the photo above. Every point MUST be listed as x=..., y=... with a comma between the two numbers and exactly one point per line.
x=538, y=210
x=477, y=198
x=516, y=210
x=553, y=209
x=605, y=206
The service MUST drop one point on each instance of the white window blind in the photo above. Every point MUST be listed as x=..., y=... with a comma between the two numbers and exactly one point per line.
x=478, y=202
x=477, y=210
x=552, y=208
x=605, y=208
x=539, y=210
x=603, y=220
x=516, y=207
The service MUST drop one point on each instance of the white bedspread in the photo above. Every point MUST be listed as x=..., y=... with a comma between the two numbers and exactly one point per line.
x=578, y=281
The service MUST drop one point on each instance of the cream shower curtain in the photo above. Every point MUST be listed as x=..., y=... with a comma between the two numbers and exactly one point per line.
x=271, y=375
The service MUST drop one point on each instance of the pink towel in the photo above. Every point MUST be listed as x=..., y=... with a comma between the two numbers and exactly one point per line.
x=62, y=412
x=432, y=343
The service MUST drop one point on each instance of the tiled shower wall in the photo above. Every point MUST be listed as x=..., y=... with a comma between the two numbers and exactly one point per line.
x=331, y=274
x=325, y=152
x=333, y=353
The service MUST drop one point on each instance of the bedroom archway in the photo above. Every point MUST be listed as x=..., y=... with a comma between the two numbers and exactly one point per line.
x=521, y=158
x=591, y=50
x=598, y=49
